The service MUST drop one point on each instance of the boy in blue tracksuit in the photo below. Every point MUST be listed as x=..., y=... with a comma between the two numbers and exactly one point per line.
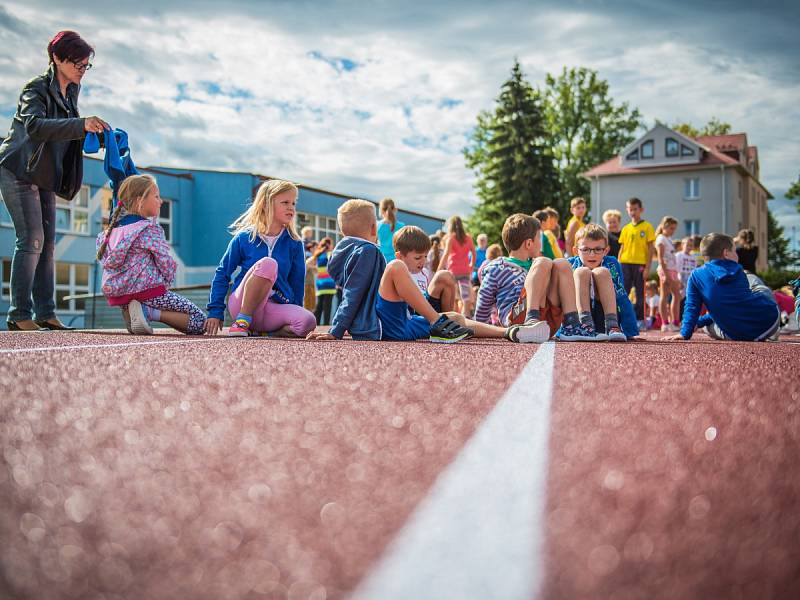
x=603, y=304
x=740, y=307
x=358, y=266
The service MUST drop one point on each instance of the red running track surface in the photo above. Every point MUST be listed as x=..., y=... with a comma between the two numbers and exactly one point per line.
x=264, y=468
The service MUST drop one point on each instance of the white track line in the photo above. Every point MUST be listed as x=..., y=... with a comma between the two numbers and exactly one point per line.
x=479, y=533
x=120, y=345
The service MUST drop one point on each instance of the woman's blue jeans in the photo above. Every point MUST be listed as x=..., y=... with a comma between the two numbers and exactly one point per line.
x=33, y=212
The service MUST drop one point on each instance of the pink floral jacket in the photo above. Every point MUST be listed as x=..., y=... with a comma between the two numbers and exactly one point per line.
x=137, y=258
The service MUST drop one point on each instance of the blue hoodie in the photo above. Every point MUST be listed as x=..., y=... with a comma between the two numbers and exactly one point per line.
x=357, y=266
x=241, y=252
x=723, y=287
x=117, y=163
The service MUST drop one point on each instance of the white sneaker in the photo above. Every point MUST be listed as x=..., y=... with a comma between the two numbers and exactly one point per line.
x=537, y=332
x=127, y=318
x=139, y=323
x=666, y=327
x=615, y=335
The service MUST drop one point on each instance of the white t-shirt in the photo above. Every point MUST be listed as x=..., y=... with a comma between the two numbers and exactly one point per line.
x=653, y=301
x=422, y=279
x=669, y=251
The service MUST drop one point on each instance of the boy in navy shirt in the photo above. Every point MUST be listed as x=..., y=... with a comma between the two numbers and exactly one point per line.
x=740, y=307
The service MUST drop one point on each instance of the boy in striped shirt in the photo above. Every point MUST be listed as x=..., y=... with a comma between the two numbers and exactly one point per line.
x=510, y=282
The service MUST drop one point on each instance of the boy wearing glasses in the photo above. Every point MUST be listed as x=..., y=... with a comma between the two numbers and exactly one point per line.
x=603, y=304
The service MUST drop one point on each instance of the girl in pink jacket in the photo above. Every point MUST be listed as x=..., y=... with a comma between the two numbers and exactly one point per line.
x=138, y=266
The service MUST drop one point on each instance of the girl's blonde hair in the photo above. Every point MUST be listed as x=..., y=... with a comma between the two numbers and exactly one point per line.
x=130, y=195
x=666, y=222
x=258, y=217
x=388, y=211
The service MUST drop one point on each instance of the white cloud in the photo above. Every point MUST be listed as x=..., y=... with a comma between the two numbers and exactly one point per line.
x=396, y=123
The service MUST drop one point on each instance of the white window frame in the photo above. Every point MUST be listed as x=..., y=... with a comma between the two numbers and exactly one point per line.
x=319, y=224
x=74, y=207
x=692, y=186
x=691, y=226
x=168, y=221
x=72, y=287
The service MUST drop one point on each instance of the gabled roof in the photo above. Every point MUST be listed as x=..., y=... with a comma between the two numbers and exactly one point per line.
x=614, y=166
x=691, y=142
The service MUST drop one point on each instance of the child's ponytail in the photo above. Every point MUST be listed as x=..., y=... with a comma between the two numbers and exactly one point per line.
x=389, y=212
x=115, y=216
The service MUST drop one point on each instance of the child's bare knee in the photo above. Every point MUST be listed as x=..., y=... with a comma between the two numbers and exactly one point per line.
x=583, y=273
x=601, y=273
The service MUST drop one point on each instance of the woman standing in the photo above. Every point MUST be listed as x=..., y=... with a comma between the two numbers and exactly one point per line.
x=42, y=156
x=387, y=228
x=458, y=257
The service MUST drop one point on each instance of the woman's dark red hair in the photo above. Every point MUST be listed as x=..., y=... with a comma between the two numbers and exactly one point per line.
x=68, y=45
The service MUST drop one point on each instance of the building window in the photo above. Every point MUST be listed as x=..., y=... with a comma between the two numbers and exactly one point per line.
x=71, y=279
x=648, y=149
x=671, y=147
x=73, y=216
x=692, y=226
x=691, y=189
x=686, y=150
x=165, y=218
x=633, y=155
x=5, y=278
x=323, y=226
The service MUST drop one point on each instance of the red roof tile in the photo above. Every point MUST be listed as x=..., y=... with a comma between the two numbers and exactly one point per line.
x=731, y=141
x=614, y=166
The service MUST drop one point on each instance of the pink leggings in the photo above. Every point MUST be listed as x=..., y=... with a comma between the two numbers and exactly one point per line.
x=271, y=316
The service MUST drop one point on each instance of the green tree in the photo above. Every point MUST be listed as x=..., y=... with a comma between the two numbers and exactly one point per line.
x=586, y=128
x=778, y=254
x=794, y=192
x=510, y=154
x=713, y=127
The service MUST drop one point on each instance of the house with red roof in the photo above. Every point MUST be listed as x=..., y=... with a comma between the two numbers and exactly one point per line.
x=708, y=183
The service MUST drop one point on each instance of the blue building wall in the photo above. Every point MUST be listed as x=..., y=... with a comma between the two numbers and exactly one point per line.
x=202, y=204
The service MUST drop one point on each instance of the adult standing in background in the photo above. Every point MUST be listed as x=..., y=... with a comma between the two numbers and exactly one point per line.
x=387, y=228
x=746, y=249
x=42, y=156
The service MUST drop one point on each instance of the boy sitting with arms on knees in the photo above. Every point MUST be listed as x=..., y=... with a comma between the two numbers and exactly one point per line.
x=740, y=307
x=602, y=302
x=357, y=265
x=526, y=278
x=398, y=292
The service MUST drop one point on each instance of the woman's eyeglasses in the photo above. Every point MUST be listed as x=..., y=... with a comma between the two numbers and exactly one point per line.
x=592, y=250
x=82, y=67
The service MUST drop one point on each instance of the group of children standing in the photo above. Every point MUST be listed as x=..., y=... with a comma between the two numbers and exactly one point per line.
x=389, y=287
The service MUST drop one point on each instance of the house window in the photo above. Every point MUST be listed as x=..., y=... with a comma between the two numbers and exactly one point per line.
x=686, y=150
x=671, y=147
x=691, y=189
x=165, y=218
x=648, y=149
x=323, y=226
x=73, y=216
x=5, y=279
x=71, y=279
x=633, y=155
x=692, y=226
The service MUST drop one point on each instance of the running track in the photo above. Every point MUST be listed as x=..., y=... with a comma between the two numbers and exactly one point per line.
x=174, y=467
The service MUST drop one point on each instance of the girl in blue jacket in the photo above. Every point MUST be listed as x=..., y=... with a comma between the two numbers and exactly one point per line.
x=268, y=292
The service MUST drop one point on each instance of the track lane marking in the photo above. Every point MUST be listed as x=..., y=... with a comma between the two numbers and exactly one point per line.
x=479, y=533
x=119, y=345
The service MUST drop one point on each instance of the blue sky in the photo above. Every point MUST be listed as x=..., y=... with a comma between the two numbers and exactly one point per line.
x=378, y=99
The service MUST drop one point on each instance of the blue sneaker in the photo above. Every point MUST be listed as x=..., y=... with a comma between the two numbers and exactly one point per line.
x=580, y=333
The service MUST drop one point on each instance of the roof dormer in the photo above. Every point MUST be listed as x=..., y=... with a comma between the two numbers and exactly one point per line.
x=661, y=146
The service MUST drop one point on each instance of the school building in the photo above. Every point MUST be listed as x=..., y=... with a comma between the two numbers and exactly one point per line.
x=709, y=184
x=198, y=206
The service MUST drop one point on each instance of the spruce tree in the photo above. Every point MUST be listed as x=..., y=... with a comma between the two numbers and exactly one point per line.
x=510, y=155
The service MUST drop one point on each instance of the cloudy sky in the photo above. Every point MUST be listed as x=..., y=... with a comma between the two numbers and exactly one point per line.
x=378, y=98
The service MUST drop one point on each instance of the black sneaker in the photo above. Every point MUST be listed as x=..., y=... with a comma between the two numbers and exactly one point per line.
x=445, y=331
